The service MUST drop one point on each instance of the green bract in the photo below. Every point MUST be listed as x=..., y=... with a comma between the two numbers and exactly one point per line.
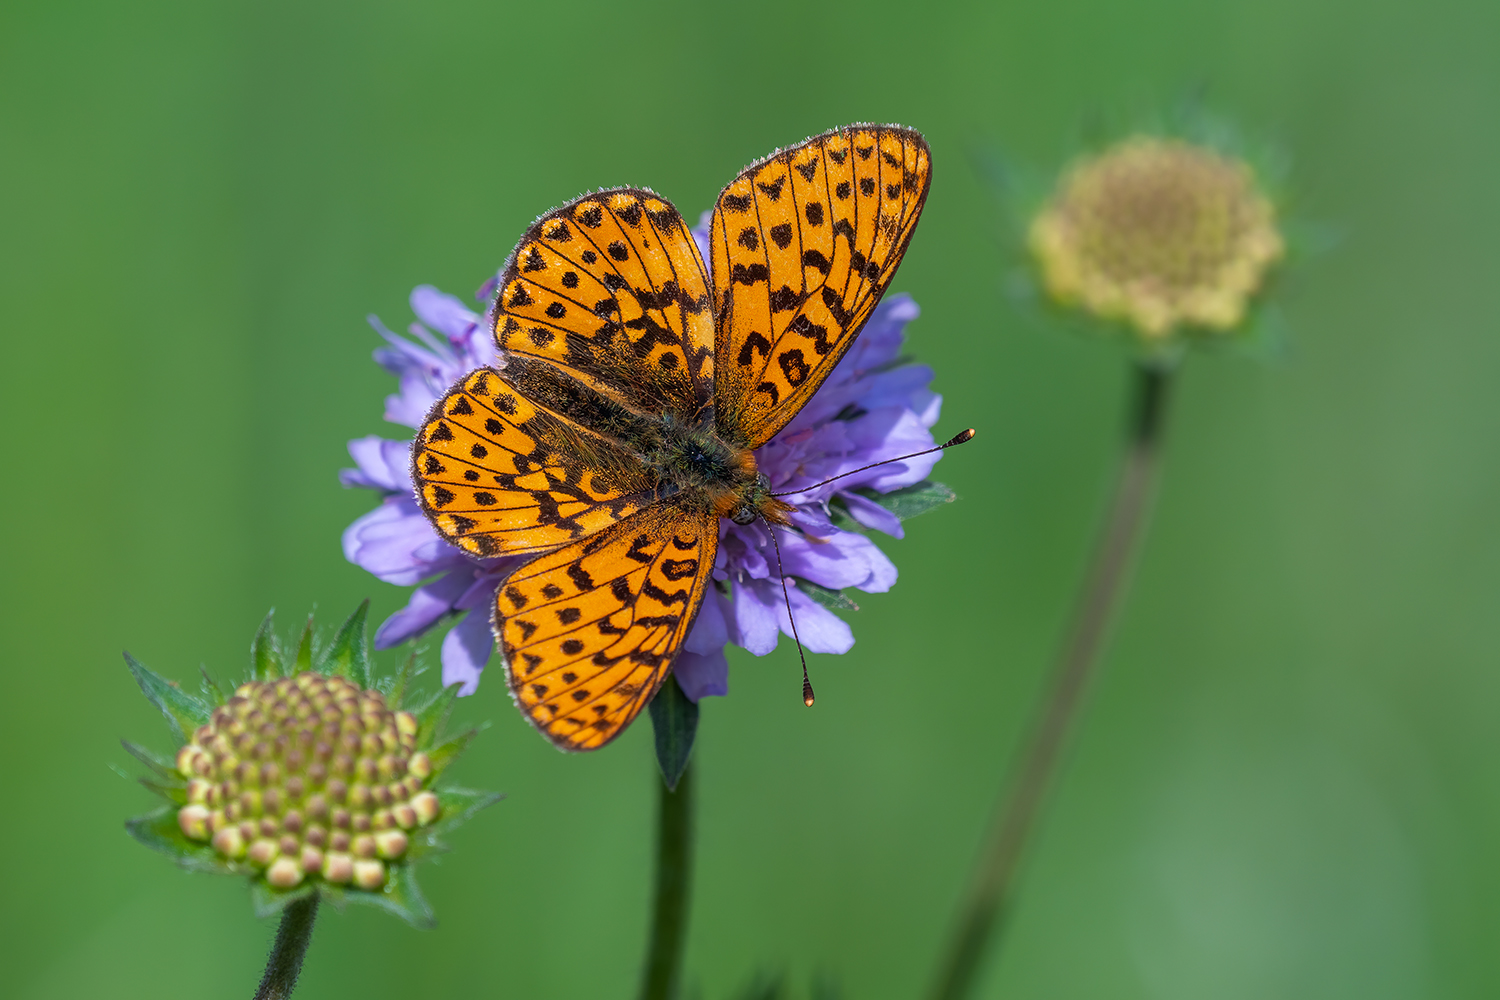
x=309, y=778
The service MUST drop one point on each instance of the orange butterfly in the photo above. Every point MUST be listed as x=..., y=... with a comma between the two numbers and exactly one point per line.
x=634, y=386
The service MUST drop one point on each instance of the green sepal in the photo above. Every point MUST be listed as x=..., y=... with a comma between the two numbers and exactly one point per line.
x=909, y=501
x=403, y=677
x=303, y=662
x=163, y=766
x=674, y=716
x=401, y=897
x=458, y=807
x=265, y=654
x=268, y=901
x=447, y=752
x=159, y=831
x=835, y=599
x=174, y=792
x=183, y=712
x=349, y=653
x=432, y=715
x=213, y=696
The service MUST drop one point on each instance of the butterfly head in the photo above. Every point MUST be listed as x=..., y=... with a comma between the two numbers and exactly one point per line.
x=753, y=502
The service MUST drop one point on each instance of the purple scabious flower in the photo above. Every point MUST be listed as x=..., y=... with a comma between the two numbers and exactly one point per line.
x=875, y=406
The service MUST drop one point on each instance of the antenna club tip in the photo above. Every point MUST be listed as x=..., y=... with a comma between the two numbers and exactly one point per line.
x=807, y=694
x=961, y=437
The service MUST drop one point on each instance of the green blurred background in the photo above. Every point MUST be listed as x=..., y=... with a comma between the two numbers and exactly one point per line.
x=1287, y=785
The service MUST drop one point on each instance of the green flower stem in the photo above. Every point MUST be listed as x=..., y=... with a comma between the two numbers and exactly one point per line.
x=994, y=879
x=292, y=938
x=674, y=866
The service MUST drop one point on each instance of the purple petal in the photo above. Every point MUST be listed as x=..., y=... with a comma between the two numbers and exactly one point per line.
x=701, y=235
x=466, y=649
x=701, y=674
x=402, y=355
x=710, y=631
x=820, y=630
x=837, y=560
x=395, y=542
x=481, y=593
x=870, y=514
x=745, y=547
x=880, y=341
x=383, y=464
x=417, y=393
x=428, y=604
x=486, y=291
x=754, y=624
x=441, y=311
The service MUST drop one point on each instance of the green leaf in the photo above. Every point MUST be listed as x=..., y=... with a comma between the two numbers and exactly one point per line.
x=909, y=501
x=401, y=897
x=349, y=653
x=303, y=663
x=835, y=599
x=675, y=718
x=268, y=901
x=159, y=831
x=184, y=713
x=265, y=654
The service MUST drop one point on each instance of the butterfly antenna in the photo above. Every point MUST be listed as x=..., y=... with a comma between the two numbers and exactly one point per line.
x=807, y=691
x=960, y=438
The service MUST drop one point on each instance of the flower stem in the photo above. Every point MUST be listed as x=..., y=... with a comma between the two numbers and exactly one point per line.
x=1036, y=768
x=292, y=938
x=674, y=865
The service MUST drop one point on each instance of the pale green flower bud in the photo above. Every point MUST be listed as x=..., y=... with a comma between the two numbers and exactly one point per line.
x=1159, y=233
x=193, y=819
x=369, y=874
x=284, y=873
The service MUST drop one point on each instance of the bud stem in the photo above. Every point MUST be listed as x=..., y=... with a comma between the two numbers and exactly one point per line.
x=292, y=939
x=1035, y=768
x=674, y=865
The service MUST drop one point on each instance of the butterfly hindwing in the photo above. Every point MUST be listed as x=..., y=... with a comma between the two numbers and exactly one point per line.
x=498, y=473
x=804, y=244
x=590, y=631
x=611, y=288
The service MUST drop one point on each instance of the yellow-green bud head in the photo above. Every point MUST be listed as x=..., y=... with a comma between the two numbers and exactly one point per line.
x=307, y=780
x=1159, y=233
x=264, y=781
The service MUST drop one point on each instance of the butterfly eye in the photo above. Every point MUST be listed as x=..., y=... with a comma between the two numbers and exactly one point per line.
x=744, y=514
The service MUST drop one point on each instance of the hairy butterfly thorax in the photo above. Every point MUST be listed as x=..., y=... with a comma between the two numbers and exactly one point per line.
x=707, y=474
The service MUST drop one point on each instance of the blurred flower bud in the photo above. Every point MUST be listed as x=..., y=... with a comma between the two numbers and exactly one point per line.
x=1158, y=233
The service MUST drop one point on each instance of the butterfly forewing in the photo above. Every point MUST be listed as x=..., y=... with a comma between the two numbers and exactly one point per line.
x=804, y=244
x=611, y=289
x=589, y=631
x=499, y=474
